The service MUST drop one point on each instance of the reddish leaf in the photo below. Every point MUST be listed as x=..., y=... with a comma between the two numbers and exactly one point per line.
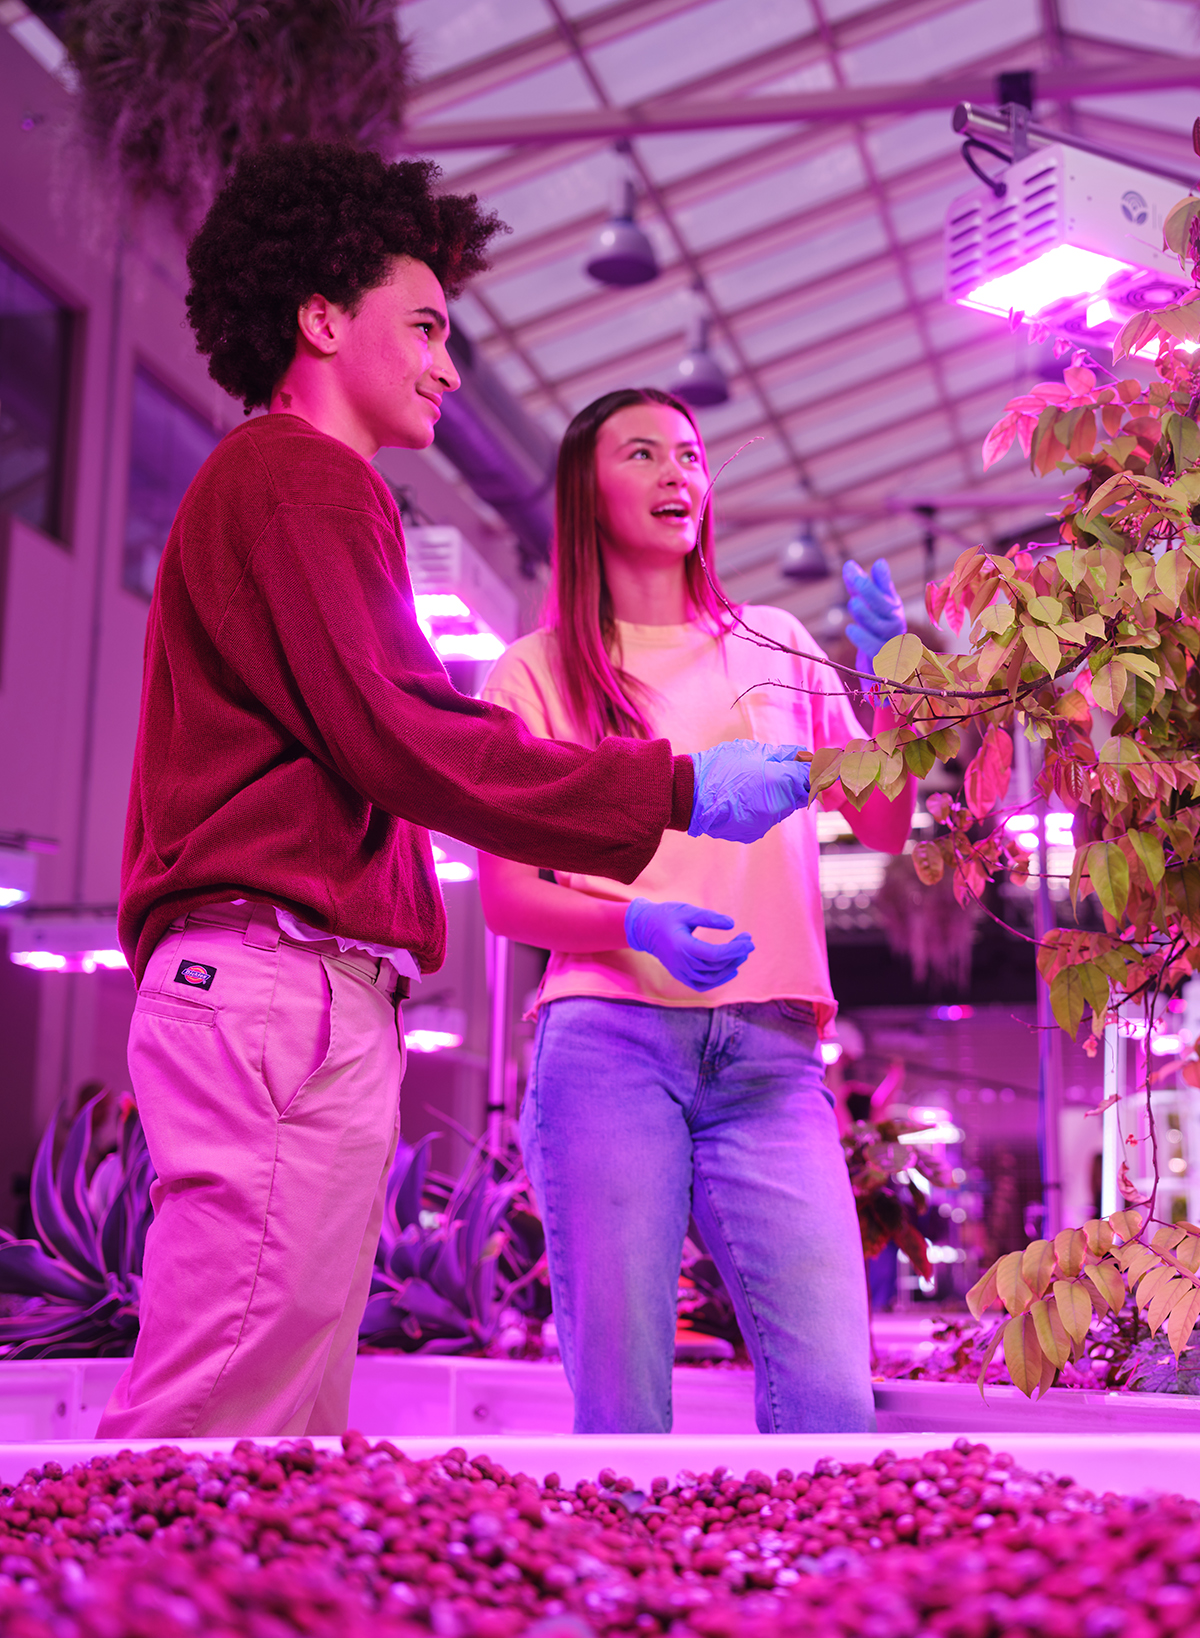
x=999, y=440
x=989, y=772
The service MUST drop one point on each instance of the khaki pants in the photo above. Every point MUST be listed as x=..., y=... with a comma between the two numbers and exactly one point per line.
x=267, y=1077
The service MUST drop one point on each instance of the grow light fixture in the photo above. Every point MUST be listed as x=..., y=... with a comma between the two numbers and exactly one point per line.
x=463, y=607
x=943, y=1132
x=430, y=1028
x=18, y=873
x=1065, y=236
x=1056, y=275
x=66, y=944
x=450, y=869
x=1166, y=1046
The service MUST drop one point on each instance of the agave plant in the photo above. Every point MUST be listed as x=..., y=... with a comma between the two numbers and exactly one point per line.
x=445, y=1280
x=78, y=1284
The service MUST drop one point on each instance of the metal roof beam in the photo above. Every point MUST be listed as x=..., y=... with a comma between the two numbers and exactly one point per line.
x=535, y=53
x=844, y=103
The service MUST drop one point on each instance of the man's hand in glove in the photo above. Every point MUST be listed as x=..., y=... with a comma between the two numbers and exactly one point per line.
x=876, y=612
x=743, y=788
x=666, y=931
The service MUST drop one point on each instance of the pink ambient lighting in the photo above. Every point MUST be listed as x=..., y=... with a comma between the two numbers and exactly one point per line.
x=431, y=1040
x=75, y=961
x=10, y=896
x=451, y=870
x=1064, y=271
x=951, y=1015
x=41, y=961
x=1166, y=1046
x=454, y=630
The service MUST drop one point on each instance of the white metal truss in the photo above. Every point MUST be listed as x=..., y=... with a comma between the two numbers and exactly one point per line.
x=796, y=170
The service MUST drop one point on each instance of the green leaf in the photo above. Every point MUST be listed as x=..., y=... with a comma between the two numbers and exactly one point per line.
x=1010, y=1283
x=1072, y=566
x=1109, y=870
x=1149, y=850
x=899, y=658
x=1051, y=1333
x=1177, y=225
x=1074, y=1308
x=945, y=743
x=1185, y=440
x=1100, y=529
x=1043, y=645
x=859, y=771
x=1108, y=686
x=1138, y=699
x=1022, y=1353
x=1170, y=573
x=1140, y=664
x=919, y=756
x=1095, y=988
x=997, y=617
x=1046, y=609
x=1067, y=998
x=823, y=769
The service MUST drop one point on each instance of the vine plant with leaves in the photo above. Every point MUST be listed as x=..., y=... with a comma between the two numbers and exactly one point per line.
x=1111, y=621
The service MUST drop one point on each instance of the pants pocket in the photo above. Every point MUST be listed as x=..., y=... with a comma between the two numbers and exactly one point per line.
x=181, y=1011
x=298, y=1035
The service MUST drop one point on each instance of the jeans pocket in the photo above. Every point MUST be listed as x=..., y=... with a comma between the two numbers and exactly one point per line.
x=798, y=1012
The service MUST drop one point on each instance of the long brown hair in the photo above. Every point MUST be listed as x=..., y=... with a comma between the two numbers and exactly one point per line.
x=602, y=698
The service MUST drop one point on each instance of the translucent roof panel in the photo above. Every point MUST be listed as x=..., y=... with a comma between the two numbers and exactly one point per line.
x=814, y=240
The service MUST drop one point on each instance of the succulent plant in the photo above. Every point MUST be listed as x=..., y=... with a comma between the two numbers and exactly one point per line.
x=78, y=1284
x=445, y=1280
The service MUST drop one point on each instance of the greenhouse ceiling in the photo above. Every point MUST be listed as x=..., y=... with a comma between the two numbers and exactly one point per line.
x=794, y=159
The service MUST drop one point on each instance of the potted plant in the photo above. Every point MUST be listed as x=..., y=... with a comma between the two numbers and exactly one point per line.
x=1110, y=621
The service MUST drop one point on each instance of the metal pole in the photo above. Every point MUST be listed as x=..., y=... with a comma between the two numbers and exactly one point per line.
x=1049, y=1043
x=1111, y=1148
x=499, y=976
x=1049, y=1055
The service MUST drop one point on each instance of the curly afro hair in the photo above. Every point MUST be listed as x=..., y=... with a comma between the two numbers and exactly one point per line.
x=298, y=219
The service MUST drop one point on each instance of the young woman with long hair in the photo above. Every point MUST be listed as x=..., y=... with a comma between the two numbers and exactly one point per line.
x=673, y=1074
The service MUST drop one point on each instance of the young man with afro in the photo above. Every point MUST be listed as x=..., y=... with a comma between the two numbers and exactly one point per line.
x=298, y=738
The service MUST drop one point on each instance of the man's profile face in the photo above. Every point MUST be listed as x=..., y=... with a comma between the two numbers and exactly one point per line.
x=393, y=360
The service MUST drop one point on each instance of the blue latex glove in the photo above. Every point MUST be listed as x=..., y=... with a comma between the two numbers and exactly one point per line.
x=876, y=612
x=665, y=931
x=743, y=788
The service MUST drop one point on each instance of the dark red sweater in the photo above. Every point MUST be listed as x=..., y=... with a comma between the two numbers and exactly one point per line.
x=299, y=737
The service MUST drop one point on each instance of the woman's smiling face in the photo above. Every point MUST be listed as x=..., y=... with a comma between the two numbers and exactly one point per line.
x=650, y=481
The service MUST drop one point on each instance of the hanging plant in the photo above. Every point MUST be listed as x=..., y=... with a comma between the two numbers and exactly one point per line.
x=173, y=92
x=926, y=923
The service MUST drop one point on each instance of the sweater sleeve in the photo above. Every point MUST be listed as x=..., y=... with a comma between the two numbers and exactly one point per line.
x=320, y=629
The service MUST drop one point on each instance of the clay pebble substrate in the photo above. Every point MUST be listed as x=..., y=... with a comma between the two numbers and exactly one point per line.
x=270, y=1541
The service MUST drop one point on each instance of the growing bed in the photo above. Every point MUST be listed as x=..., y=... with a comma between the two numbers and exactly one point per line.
x=818, y=1536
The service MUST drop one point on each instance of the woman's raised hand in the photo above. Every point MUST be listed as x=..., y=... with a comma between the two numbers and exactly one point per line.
x=876, y=612
x=743, y=788
x=666, y=931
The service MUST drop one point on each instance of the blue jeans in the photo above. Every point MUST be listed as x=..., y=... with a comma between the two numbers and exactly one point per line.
x=635, y=1115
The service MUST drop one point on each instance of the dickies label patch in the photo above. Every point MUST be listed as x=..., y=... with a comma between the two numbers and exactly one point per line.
x=196, y=975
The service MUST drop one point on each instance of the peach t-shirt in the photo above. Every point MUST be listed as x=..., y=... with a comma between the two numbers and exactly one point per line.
x=703, y=690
